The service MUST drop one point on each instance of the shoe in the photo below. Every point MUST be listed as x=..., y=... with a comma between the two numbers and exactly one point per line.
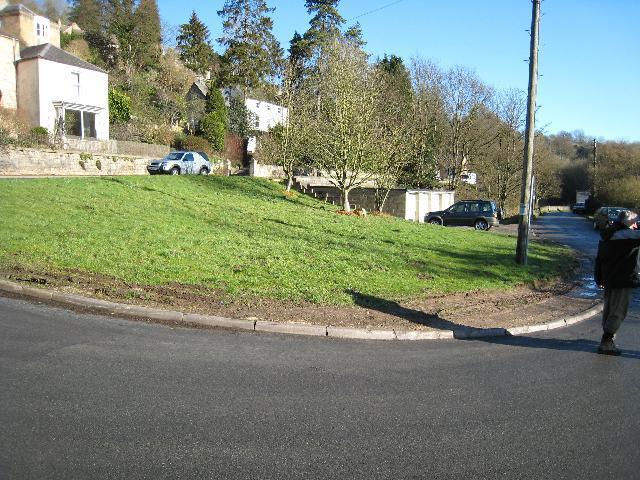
x=607, y=347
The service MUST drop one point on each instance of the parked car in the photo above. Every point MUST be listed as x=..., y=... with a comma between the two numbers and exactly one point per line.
x=480, y=214
x=579, y=208
x=605, y=216
x=181, y=163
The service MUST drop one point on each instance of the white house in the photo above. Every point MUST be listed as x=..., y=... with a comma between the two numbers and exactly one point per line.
x=79, y=94
x=46, y=84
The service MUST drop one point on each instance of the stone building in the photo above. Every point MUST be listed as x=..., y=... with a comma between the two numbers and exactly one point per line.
x=47, y=86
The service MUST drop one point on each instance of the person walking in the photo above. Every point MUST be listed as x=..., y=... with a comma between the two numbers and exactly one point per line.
x=618, y=271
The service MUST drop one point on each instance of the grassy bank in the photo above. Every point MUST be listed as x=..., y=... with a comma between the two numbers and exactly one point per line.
x=246, y=237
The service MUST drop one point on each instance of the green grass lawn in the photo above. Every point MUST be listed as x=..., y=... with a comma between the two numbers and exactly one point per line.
x=246, y=237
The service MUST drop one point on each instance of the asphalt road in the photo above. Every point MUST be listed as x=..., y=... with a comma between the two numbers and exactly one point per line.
x=85, y=396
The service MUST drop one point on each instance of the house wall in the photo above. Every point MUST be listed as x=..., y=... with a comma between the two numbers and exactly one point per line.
x=8, y=52
x=94, y=87
x=28, y=94
x=23, y=26
x=267, y=114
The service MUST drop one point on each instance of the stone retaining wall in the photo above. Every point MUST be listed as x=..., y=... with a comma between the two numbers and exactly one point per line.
x=118, y=147
x=265, y=171
x=31, y=161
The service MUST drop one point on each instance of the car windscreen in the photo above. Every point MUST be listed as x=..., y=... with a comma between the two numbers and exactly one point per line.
x=174, y=156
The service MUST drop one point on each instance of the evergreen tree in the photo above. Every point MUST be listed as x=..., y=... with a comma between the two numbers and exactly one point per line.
x=193, y=45
x=325, y=23
x=252, y=52
x=215, y=104
x=241, y=121
x=87, y=14
x=354, y=35
x=55, y=10
x=147, y=34
x=120, y=18
x=299, y=52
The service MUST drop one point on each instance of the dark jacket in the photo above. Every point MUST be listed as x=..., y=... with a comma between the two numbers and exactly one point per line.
x=618, y=260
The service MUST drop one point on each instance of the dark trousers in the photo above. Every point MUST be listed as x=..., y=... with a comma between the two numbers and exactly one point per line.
x=616, y=305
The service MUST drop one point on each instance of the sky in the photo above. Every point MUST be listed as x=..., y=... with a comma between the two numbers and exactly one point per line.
x=589, y=60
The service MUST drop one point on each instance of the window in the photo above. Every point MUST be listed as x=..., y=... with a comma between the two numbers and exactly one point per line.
x=474, y=207
x=89, y=125
x=80, y=124
x=73, y=122
x=75, y=84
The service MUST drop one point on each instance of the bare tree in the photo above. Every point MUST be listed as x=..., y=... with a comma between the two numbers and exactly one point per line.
x=500, y=132
x=427, y=125
x=464, y=97
x=346, y=128
x=285, y=144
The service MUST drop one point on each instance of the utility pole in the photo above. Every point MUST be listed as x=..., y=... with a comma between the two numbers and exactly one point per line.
x=527, y=171
x=595, y=167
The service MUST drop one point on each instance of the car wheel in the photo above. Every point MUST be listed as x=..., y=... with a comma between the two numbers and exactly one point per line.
x=435, y=221
x=175, y=171
x=481, y=224
x=204, y=171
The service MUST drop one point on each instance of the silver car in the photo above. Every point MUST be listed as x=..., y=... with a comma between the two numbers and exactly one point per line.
x=181, y=163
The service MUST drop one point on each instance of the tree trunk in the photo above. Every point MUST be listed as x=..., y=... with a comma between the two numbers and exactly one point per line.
x=289, y=182
x=346, y=206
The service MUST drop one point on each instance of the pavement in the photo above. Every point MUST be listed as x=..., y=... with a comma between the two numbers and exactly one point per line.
x=89, y=396
x=556, y=312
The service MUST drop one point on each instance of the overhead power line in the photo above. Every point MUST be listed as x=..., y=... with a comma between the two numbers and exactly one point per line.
x=378, y=9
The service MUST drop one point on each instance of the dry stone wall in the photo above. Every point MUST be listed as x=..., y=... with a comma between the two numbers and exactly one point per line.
x=31, y=161
x=118, y=147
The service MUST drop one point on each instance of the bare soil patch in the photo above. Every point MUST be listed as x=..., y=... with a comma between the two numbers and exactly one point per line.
x=486, y=309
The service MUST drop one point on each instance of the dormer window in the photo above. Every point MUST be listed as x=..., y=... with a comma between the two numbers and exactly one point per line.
x=42, y=30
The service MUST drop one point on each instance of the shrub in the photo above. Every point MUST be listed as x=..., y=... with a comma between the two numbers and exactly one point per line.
x=196, y=144
x=119, y=106
x=37, y=136
x=213, y=129
x=5, y=137
x=178, y=141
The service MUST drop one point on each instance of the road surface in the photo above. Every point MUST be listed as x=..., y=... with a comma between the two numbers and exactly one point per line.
x=86, y=396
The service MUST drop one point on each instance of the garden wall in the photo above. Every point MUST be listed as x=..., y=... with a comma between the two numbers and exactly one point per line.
x=32, y=161
x=265, y=171
x=118, y=147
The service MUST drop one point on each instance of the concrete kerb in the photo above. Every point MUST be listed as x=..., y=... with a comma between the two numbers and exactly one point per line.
x=288, y=327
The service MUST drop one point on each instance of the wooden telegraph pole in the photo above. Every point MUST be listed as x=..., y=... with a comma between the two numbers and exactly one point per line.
x=527, y=171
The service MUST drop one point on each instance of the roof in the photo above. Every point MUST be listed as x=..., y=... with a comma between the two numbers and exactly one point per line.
x=55, y=54
x=202, y=86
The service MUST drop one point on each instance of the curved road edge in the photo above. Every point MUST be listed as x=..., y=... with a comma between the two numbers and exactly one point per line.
x=192, y=319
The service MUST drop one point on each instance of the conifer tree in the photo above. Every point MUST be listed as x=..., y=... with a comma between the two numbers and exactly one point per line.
x=325, y=23
x=252, y=54
x=354, y=35
x=87, y=14
x=55, y=9
x=193, y=45
x=121, y=23
x=299, y=52
x=147, y=34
